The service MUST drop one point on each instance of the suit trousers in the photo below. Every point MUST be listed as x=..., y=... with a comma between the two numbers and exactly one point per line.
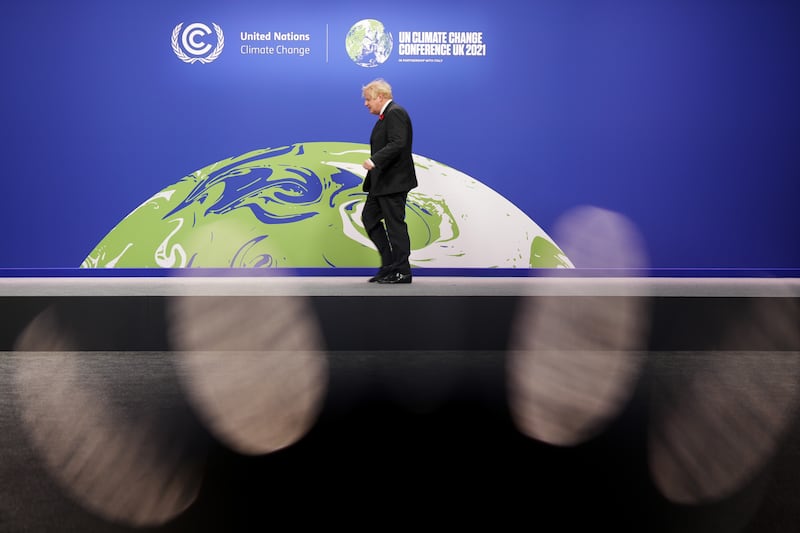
x=384, y=219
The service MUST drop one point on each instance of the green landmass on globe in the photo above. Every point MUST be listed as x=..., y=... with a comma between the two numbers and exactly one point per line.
x=300, y=205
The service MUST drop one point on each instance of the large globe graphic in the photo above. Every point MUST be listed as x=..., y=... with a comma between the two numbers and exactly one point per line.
x=300, y=206
x=368, y=43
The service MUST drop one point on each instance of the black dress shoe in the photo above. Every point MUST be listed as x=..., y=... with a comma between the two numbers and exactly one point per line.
x=381, y=273
x=395, y=277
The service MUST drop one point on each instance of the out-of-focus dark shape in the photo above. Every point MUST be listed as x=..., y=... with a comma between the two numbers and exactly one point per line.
x=575, y=358
x=718, y=417
x=253, y=367
x=134, y=468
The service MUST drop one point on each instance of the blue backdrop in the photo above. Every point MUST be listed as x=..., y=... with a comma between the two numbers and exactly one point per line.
x=682, y=115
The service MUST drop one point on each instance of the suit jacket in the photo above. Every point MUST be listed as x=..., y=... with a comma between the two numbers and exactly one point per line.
x=390, y=149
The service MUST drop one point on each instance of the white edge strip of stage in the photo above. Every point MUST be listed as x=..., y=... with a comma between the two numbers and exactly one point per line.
x=422, y=286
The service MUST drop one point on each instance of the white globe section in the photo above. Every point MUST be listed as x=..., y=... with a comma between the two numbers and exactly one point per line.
x=481, y=225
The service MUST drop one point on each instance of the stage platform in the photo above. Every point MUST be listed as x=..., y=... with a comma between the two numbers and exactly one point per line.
x=430, y=313
x=205, y=403
x=423, y=285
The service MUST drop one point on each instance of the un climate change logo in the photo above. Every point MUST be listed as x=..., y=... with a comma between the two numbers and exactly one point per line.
x=189, y=46
x=368, y=43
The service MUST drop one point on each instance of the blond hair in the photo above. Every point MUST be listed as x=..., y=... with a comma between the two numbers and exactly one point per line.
x=377, y=87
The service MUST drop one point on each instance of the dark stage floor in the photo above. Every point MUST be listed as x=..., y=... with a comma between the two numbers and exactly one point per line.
x=240, y=405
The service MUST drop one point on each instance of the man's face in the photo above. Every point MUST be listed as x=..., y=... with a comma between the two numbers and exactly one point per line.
x=374, y=102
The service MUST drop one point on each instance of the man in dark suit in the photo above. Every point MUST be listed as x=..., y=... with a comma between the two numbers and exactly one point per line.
x=390, y=175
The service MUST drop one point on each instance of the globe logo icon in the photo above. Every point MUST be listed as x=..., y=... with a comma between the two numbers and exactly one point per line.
x=368, y=43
